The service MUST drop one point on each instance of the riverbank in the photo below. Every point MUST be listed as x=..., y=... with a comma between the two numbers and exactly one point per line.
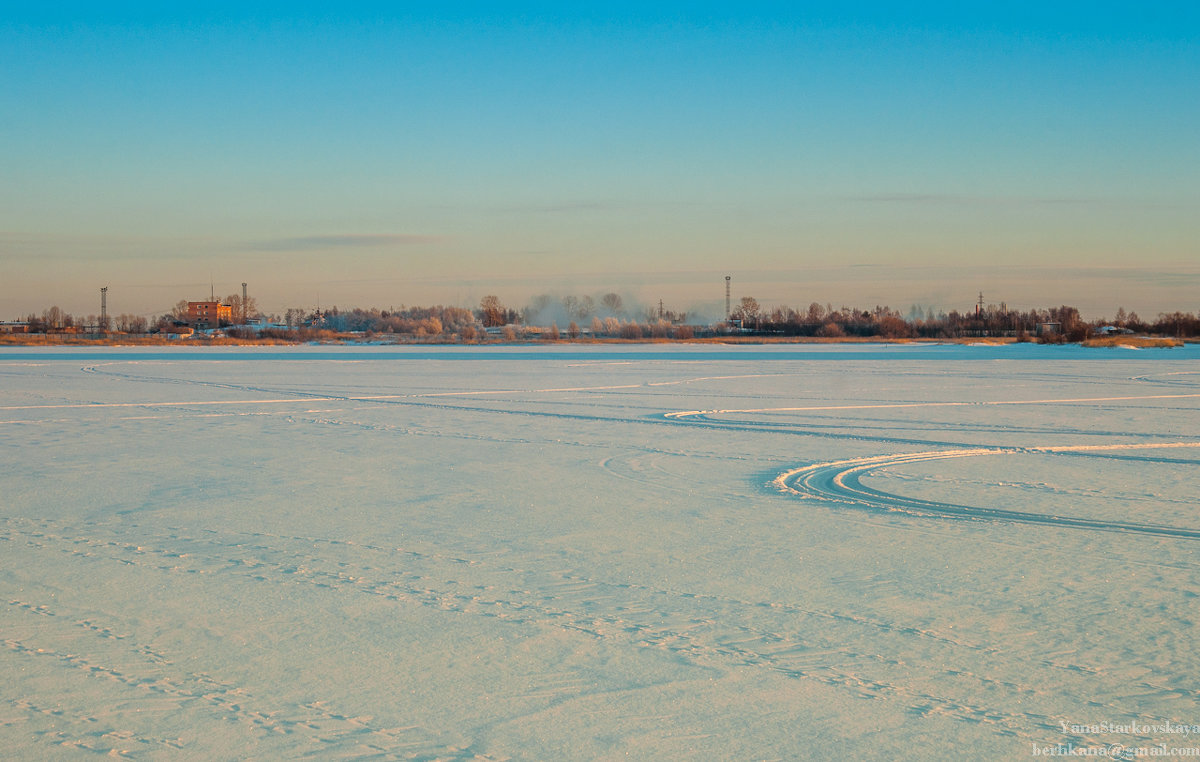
x=329, y=337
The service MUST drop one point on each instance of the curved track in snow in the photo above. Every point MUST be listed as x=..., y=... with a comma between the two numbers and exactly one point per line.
x=836, y=481
x=841, y=481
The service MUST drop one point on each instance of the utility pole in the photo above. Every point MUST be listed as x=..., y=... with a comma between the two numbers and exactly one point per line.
x=244, y=314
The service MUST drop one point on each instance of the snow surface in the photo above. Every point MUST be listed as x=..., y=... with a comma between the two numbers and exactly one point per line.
x=656, y=552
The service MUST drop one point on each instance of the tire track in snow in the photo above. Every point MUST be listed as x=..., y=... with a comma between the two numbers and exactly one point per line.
x=1170, y=378
x=896, y=405
x=841, y=481
x=299, y=395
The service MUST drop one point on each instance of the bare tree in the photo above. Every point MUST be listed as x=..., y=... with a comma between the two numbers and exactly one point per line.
x=612, y=302
x=295, y=317
x=234, y=301
x=138, y=324
x=570, y=305
x=492, y=312
x=249, y=309
x=54, y=317
x=749, y=308
x=631, y=330
x=429, y=327
x=578, y=308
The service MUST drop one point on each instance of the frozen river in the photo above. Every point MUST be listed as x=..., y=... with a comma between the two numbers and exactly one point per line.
x=649, y=552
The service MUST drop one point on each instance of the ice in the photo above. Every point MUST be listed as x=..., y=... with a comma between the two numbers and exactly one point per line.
x=657, y=552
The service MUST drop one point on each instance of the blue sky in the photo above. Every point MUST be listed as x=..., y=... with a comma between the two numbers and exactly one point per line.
x=862, y=154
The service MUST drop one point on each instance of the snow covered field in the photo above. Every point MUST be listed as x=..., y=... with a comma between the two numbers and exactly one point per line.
x=656, y=552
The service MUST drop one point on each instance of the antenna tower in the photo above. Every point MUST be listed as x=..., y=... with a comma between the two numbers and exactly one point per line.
x=727, y=309
x=244, y=312
x=104, y=308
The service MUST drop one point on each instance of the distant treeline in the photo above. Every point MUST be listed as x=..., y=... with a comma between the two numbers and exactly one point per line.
x=546, y=318
x=491, y=321
x=1053, y=324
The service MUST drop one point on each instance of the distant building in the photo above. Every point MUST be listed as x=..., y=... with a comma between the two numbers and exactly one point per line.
x=14, y=327
x=209, y=314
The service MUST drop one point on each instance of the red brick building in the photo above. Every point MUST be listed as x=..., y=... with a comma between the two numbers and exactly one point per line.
x=209, y=314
